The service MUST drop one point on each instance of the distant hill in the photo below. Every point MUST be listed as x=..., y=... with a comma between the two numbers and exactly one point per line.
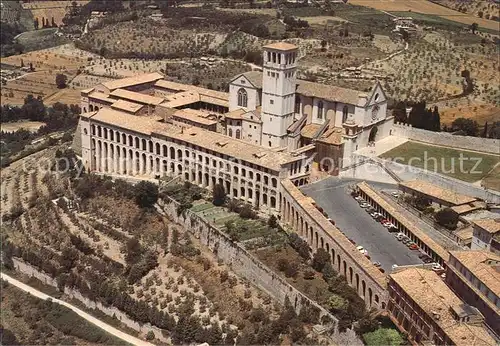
x=487, y=9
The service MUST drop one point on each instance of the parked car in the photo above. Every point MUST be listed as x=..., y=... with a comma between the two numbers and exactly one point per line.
x=383, y=220
x=427, y=260
x=361, y=200
x=362, y=250
x=422, y=255
x=406, y=240
x=374, y=214
x=400, y=236
x=381, y=269
x=377, y=264
x=392, y=229
x=436, y=267
x=352, y=241
x=370, y=209
x=332, y=222
x=358, y=198
x=364, y=205
x=413, y=246
x=395, y=194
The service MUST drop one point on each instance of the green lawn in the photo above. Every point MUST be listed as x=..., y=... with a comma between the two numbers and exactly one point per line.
x=473, y=166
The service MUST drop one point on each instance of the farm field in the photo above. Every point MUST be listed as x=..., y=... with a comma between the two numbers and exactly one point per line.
x=444, y=160
x=426, y=7
x=31, y=126
x=492, y=181
x=51, y=9
x=480, y=112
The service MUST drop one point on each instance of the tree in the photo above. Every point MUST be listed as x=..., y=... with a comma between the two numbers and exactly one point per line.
x=320, y=259
x=447, y=218
x=272, y=222
x=383, y=336
x=218, y=195
x=468, y=126
x=485, y=130
x=61, y=80
x=150, y=335
x=300, y=246
x=134, y=251
x=473, y=28
x=146, y=194
x=323, y=45
x=246, y=212
x=337, y=303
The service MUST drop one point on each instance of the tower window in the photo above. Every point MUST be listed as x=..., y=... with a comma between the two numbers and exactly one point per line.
x=271, y=102
x=242, y=98
x=297, y=104
x=268, y=56
x=320, y=110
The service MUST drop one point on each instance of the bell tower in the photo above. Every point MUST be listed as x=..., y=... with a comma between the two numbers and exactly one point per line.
x=278, y=92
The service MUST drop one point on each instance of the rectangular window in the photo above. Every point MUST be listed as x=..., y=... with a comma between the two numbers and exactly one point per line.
x=271, y=102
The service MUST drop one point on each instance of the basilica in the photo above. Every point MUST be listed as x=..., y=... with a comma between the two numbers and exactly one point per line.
x=271, y=125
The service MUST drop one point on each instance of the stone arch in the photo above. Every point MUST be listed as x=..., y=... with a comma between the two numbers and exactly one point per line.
x=377, y=300
x=383, y=306
x=316, y=239
x=137, y=142
x=99, y=131
x=179, y=154
x=333, y=256
x=130, y=141
x=230, y=133
x=322, y=242
x=143, y=142
x=91, y=108
x=157, y=148
x=357, y=282
x=363, y=286
x=345, y=113
x=338, y=263
x=370, y=294
x=350, y=275
x=344, y=269
x=327, y=247
x=172, y=153
x=143, y=163
x=238, y=133
x=273, y=202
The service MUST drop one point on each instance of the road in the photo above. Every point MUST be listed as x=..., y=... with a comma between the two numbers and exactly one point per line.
x=104, y=326
x=331, y=194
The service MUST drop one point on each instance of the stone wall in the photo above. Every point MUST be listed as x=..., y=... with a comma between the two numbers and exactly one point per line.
x=486, y=145
x=240, y=260
x=29, y=270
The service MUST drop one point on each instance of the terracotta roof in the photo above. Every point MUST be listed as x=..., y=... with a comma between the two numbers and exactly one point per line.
x=310, y=130
x=216, y=142
x=438, y=249
x=214, y=100
x=437, y=192
x=181, y=99
x=489, y=225
x=430, y=293
x=334, y=233
x=280, y=46
x=137, y=97
x=130, y=81
x=327, y=92
x=254, y=77
x=127, y=106
x=193, y=118
x=332, y=136
x=476, y=262
x=466, y=208
x=464, y=234
x=235, y=114
x=101, y=97
x=86, y=91
x=208, y=93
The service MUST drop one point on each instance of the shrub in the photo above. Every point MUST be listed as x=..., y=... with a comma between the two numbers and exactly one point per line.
x=272, y=222
x=219, y=195
x=320, y=259
x=146, y=194
x=447, y=218
x=300, y=246
x=309, y=274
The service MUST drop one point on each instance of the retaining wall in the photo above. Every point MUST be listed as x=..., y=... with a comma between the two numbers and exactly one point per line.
x=486, y=145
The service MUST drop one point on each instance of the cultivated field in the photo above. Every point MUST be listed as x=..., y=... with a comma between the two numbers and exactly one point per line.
x=51, y=9
x=426, y=7
x=444, y=160
x=31, y=126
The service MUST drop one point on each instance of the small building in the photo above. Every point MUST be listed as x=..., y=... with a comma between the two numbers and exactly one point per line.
x=437, y=195
x=475, y=277
x=421, y=305
x=484, y=231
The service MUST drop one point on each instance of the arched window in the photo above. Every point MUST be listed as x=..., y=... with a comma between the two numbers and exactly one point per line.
x=242, y=98
x=345, y=113
x=230, y=133
x=237, y=134
x=320, y=110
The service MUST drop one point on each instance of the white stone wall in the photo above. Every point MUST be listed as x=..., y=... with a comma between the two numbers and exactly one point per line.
x=253, y=100
x=486, y=145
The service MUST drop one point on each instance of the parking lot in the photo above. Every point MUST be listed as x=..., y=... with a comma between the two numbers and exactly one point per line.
x=332, y=194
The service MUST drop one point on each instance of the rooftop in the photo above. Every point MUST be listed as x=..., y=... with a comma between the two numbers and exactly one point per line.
x=137, y=97
x=216, y=142
x=209, y=93
x=310, y=130
x=312, y=89
x=328, y=92
x=430, y=293
x=489, y=225
x=437, y=192
x=280, y=46
x=484, y=265
x=135, y=80
x=101, y=96
x=332, y=136
x=126, y=106
x=193, y=118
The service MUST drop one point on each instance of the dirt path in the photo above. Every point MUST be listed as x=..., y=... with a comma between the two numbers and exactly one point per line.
x=104, y=326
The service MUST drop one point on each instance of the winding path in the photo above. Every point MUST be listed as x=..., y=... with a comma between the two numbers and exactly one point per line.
x=104, y=326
